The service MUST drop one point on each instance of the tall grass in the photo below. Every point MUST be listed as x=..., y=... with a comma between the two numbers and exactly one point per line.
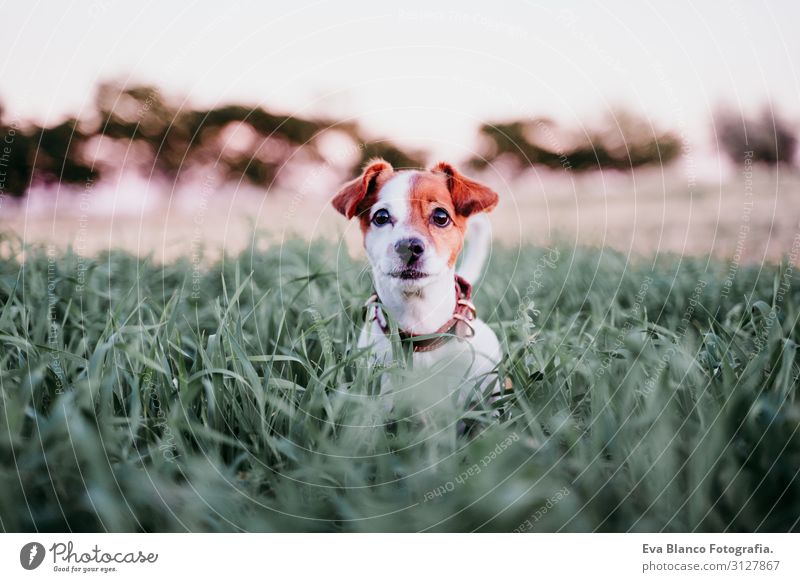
x=647, y=396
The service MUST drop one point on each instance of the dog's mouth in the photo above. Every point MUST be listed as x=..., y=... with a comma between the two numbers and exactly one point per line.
x=408, y=274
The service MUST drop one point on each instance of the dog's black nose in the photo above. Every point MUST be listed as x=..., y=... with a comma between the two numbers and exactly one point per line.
x=409, y=249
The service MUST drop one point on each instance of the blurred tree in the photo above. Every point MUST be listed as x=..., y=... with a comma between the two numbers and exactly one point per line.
x=397, y=157
x=180, y=139
x=170, y=140
x=58, y=154
x=15, y=167
x=623, y=141
x=241, y=143
x=31, y=155
x=770, y=137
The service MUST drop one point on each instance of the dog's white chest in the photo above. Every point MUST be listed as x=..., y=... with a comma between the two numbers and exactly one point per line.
x=467, y=366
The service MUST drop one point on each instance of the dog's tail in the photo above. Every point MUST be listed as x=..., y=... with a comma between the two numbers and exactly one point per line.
x=478, y=242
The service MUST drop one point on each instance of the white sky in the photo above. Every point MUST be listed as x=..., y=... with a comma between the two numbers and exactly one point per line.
x=421, y=75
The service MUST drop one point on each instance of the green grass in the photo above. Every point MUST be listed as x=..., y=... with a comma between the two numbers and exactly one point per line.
x=647, y=397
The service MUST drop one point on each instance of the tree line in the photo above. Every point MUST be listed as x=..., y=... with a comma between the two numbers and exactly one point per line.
x=163, y=138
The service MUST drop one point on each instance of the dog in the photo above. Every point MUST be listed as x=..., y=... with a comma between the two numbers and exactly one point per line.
x=414, y=224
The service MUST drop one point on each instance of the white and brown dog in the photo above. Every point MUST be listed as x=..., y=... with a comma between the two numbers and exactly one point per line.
x=414, y=224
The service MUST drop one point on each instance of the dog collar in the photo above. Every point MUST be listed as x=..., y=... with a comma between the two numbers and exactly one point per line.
x=458, y=326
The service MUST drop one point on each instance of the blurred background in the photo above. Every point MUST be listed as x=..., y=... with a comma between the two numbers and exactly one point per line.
x=167, y=129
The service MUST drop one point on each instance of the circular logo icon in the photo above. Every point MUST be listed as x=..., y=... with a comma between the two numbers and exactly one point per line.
x=31, y=555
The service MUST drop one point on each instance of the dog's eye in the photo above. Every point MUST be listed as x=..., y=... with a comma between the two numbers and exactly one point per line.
x=381, y=217
x=440, y=217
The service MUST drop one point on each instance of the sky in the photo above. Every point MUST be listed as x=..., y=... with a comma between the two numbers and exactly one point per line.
x=422, y=73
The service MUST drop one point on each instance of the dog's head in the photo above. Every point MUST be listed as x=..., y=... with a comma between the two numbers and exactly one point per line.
x=413, y=221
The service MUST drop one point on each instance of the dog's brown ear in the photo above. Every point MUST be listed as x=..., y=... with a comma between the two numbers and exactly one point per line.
x=468, y=195
x=350, y=197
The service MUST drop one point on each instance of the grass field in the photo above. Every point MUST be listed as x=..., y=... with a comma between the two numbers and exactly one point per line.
x=647, y=397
